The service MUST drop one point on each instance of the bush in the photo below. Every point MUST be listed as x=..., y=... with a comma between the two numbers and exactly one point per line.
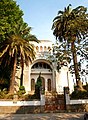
x=22, y=88
x=9, y=96
x=38, y=86
x=21, y=91
x=4, y=95
x=85, y=87
x=79, y=95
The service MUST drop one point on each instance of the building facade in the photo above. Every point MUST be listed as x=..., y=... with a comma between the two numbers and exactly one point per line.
x=52, y=80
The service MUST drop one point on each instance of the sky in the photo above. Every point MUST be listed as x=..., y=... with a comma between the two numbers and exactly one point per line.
x=39, y=14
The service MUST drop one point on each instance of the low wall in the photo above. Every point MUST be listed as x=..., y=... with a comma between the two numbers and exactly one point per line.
x=80, y=105
x=20, y=103
x=22, y=107
x=77, y=108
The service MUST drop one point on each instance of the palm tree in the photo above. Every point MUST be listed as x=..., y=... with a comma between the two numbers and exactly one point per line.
x=24, y=31
x=12, y=48
x=71, y=26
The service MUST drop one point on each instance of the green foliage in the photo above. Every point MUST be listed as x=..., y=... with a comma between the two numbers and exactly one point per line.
x=21, y=91
x=9, y=96
x=71, y=22
x=39, y=82
x=77, y=94
x=14, y=39
x=22, y=88
x=85, y=87
x=38, y=86
x=10, y=18
x=4, y=94
x=5, y=72
x=70, y=28
x=20, y=95
x=28, y=97
x=13, y=48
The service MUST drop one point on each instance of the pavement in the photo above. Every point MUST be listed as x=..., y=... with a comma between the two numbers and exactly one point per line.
x=43, y=116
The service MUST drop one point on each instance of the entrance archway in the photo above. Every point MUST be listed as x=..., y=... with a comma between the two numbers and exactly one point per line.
x=46, y=69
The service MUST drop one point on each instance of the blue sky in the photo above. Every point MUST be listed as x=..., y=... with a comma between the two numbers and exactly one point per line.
x=39, y=14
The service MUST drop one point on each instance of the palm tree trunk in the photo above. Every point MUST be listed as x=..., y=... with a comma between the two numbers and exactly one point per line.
x=75, y=62
x=12, y=80
x=77, y=76
x=21, y=79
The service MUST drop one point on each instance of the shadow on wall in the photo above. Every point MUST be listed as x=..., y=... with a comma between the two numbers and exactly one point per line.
x=28, y=109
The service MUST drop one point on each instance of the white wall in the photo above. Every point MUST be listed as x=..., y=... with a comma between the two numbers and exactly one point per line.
x=63, y=79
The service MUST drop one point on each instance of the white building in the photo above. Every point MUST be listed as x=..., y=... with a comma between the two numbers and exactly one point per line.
x=52, y=80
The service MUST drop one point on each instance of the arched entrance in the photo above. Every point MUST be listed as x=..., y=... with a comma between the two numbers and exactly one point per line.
x=46, y=69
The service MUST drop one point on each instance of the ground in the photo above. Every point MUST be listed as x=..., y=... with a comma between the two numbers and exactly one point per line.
x=43, y=116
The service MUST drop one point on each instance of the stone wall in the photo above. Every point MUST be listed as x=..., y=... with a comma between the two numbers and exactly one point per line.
x=80, y=105
x=77, y=108
x=21, y=109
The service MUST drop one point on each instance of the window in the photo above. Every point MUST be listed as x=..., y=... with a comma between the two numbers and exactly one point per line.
x=37, y=48
x=41, y=49
x=32, y=84
x=44, y=48
x=49, y=48
x=49, y=84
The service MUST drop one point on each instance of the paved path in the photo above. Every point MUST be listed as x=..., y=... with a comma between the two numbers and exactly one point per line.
x=42, y=116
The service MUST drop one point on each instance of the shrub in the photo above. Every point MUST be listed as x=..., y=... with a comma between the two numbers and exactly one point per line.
x=9, y=96
x=79, y=95
x=21, y=91
x=22, y=88
x=38, y=86
x=4, y=95
x=85, y=87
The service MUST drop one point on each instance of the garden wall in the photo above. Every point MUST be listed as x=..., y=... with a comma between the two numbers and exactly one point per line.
x=22, y=107
x=80, y=105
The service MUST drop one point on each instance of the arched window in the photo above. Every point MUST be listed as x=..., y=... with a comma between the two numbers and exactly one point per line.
x=49, y=49
x=45, y=48
x=41, y=49
x=37, y=48
x=32, y=84
x=41, y=65
x=49, y=84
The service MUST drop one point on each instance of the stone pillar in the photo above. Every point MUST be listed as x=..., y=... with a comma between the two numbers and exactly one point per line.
x=67, y=99
x=42, y=102
x=66, y=96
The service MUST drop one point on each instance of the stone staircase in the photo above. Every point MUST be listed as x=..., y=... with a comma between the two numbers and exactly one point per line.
x=54, y=102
